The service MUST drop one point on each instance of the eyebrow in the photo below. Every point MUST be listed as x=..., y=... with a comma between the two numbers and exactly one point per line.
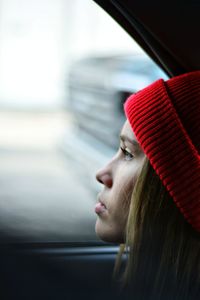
x=133, y=142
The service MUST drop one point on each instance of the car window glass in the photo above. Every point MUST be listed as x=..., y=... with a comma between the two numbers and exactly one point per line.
x=65, y=70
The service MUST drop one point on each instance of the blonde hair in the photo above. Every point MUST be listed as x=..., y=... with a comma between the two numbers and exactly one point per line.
x=163, y=250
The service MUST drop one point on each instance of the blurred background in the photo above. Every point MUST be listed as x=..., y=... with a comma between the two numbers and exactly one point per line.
x=66, y=69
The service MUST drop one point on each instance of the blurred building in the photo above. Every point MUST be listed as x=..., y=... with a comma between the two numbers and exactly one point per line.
x=39, y=39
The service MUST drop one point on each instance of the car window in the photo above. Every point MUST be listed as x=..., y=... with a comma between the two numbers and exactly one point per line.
x=66, y=69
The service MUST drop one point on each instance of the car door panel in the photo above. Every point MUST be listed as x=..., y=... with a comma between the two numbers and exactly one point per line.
x=56, y=271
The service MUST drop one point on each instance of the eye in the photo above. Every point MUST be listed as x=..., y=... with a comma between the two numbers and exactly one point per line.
x=126, y=153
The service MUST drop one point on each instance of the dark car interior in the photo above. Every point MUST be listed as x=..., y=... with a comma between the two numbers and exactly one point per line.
x=166, y=31
x=169, y=33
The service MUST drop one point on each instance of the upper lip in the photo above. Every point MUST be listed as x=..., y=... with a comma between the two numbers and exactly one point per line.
x=100, y=200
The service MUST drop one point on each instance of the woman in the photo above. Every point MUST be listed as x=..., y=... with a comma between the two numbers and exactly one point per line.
x=151, y=195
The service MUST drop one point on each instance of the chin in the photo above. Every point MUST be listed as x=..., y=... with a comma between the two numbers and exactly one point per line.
x=107, y=235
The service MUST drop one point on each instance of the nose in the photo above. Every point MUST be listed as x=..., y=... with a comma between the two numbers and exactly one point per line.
x=104, y=176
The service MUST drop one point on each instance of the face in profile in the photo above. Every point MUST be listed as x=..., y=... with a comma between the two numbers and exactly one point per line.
x=118, y=178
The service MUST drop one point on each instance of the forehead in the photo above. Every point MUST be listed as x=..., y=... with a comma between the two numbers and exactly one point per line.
x=127, y=131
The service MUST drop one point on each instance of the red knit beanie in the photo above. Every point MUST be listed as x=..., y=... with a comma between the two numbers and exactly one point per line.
x=165, y=117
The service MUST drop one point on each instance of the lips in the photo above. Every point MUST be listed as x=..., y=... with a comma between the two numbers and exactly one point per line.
x=100, y=208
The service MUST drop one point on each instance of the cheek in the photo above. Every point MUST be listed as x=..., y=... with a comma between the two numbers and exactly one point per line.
x=124, y=194
x=125, y=181
x=123, y=189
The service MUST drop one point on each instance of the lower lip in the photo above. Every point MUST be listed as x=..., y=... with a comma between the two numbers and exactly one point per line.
x=100, y=208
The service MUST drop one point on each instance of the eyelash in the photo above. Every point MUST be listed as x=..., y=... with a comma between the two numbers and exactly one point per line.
x=127, y=154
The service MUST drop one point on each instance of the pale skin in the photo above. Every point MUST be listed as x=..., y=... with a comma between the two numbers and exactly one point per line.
x=118, y=178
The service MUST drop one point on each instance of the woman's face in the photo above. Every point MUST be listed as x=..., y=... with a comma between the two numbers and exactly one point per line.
x=118, y=178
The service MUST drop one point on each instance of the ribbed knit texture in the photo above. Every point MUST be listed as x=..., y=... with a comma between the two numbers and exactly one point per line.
x=165, y=118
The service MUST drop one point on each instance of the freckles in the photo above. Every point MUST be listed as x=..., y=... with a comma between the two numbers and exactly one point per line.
x=123, y=185
x=123, y=196
x=127, y=190
x=127, y=199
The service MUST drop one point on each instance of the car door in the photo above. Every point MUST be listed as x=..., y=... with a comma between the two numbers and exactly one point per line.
x=43, y=269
